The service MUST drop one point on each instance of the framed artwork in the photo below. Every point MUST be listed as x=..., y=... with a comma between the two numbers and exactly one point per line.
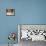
x=10, y=12
x=33, y=32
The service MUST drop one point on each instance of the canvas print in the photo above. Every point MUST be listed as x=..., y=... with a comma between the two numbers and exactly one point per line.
x=10, y=12
x=33, y=32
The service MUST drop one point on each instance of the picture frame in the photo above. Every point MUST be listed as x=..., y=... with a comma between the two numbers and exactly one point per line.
x=39, y=35
x=10, y=12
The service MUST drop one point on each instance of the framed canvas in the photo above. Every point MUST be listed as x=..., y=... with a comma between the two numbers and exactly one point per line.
x=10, y=12
x=33, y=32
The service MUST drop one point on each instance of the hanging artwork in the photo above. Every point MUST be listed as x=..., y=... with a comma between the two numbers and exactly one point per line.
x=10, y=12
x=32, y=32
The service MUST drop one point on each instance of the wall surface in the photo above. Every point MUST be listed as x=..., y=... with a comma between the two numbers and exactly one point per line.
x=27, y=12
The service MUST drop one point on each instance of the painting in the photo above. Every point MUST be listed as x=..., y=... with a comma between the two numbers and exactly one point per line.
x=10, y=12
x=32, y=32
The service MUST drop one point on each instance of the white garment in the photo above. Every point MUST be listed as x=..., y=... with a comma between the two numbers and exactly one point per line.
x=37, y=37
x=9, y=13
x=24, y=33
